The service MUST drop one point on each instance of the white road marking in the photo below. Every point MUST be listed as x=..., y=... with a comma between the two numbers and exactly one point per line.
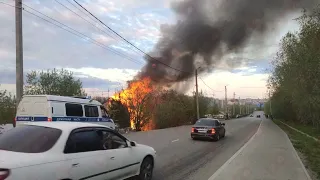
x=175, y=140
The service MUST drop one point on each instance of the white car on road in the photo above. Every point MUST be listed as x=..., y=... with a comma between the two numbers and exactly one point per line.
x=71, y=151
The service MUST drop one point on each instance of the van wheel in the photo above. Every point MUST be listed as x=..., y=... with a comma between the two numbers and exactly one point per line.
x=146, y=169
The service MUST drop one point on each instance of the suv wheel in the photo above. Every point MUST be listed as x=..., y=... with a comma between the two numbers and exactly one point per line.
x=218, y=137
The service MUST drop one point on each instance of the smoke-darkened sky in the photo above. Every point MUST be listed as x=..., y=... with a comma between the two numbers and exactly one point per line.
x=139, y=21
x=207, y=30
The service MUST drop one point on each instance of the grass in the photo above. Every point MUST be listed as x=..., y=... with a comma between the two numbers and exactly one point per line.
x=308, y=149
x=312, y=131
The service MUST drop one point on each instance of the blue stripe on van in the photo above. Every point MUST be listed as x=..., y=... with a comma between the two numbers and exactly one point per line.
x=29, y=118
x=75, y=119
x=81, y=119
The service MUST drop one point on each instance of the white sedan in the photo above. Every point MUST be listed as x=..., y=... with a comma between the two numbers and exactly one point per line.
x=71, y=151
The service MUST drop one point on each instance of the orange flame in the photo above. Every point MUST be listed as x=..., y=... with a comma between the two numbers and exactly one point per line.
x=133, y=97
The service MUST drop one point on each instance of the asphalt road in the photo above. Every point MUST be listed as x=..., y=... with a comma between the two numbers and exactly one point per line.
x=180, y=157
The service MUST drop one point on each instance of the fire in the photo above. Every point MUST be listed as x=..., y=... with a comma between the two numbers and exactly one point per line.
x=137, y=98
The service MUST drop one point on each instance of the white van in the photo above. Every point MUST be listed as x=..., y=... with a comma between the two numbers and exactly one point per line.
x=60, y=108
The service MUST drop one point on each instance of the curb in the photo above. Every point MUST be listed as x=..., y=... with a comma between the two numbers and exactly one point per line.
x=299, y=159
x=216, y=174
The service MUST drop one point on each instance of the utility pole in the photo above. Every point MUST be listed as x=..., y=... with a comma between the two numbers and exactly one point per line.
x=197, y=98
x=19, y=53
x=226, y=102
x=234, y=101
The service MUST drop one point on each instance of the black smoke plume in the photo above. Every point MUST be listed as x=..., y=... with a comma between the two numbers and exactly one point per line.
x=204, y=27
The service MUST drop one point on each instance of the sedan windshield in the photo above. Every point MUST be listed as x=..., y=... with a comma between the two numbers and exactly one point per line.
x=205, y=122
x=29, y=139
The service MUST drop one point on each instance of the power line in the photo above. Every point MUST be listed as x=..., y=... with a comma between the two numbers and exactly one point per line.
x=207, y=85
x=128, y=41
x=101, y=29
x=252, y=87
x=81, y=10
x=87, y=15
x=79, y=34
x=9, y=5
x=93, y=41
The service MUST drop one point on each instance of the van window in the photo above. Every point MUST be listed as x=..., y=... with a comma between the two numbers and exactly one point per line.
x=74, y=110
x=91, y=111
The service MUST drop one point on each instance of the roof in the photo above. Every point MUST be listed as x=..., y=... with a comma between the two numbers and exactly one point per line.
x=64, y=126
x=66, y=99
x=210, y=119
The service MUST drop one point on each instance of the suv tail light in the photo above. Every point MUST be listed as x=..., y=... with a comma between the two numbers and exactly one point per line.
x=213, y=131
x=4, y=173
x=192, y=130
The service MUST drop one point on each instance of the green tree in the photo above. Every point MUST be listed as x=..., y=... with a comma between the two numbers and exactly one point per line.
x=119, y=113
x=7, y=107
x=53, y=82
x=101, y=99
x=214, y=109
x=204, y=103
x=295, y=79
x=173, y=109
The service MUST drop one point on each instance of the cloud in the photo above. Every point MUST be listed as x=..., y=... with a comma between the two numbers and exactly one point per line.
x=10, y=88
x=112, y=75
x=244, y=86
x=47, y=46
x=89, y=82
x=7, y=78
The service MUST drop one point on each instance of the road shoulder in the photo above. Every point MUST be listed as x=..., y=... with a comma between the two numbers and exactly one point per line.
x=307, y=146
x=269, y=154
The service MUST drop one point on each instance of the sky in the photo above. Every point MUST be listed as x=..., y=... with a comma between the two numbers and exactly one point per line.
x=104, y=62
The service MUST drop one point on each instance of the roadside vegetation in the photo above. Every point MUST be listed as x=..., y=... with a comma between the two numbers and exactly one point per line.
x=53, y=82
x=295, y=82
x=7, y=107
x=295, y=87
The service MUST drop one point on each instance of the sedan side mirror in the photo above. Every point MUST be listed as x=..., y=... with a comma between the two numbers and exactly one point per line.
x=223, y=124
x=132, y=143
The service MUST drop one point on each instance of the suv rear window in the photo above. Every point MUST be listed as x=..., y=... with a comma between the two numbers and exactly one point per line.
x=29, y=139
